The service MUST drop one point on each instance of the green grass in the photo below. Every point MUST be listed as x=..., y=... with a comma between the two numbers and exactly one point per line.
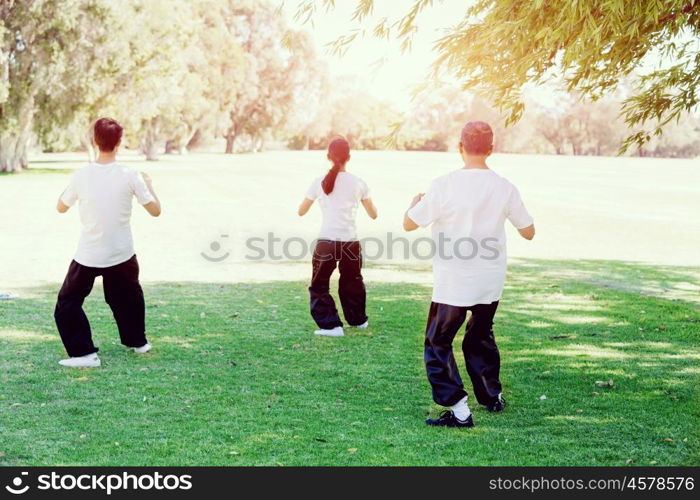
x=237, y=378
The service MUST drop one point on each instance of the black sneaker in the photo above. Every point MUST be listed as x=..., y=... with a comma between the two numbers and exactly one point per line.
x=448, y=419
x=498, y=405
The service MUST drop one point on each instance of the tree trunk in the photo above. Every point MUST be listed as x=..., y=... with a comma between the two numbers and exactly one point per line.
x=13, y=146
x=149, y=150
x=230, y=141
x=149, y=140
x=193, y=142
x=13, y=152
x=171, y=147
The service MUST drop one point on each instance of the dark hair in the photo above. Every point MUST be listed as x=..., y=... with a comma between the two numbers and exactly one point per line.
x=107, y=133
x=477, y=138
x=339, y=154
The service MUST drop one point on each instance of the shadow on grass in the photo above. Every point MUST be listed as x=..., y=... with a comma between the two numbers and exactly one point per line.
x=238, y=378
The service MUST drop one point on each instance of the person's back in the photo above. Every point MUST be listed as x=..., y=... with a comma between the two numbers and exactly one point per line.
x=339, y=208
x=105, y=193
x=473, y=205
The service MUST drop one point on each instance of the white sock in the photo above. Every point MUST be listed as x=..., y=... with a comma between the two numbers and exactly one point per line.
x=461, y=409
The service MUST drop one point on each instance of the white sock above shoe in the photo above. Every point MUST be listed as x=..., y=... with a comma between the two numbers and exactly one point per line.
x=333, y=332
x=87, y=361
x=143, y=349
x=461, y=409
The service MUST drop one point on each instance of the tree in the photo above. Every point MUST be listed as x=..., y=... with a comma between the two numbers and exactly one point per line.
x=37, y=72
x=309, y=120
x=207, y=87
x=276, y=62
x=151, y=89
x=501, y=45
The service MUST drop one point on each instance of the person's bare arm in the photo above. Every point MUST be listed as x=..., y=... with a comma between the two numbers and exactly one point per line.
x=527, y=232
x=305, y=206
x=408, y=223
x=61, y=207
x=152, y=207
x=370, y=208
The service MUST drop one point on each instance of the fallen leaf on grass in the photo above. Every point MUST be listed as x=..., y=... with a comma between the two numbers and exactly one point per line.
x=628, y=461
x=668, y=440
x=233, y=453
x=352, y=450
x=388, y=409
x=296, y=346
x=82, y=379
x=2, y=454
x=543, y=397
x=604, y=383
x=594, y=393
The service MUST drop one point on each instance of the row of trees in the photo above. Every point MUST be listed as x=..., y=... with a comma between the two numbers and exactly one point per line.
x=499, y=47
x=173, y=71
x=562, y=123
x=179, y=73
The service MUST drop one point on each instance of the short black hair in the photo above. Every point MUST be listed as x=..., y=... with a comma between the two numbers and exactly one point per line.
x=107, y=133
x=477, y=138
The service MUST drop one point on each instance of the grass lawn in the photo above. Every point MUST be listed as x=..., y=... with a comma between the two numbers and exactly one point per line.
x=237, y=377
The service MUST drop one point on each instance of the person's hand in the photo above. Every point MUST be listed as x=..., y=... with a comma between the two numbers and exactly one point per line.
x=146, y=178
x=416, y=199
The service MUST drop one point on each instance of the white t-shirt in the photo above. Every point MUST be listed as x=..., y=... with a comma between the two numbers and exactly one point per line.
x=340, y=207
x=468, y=208
x=105, y=192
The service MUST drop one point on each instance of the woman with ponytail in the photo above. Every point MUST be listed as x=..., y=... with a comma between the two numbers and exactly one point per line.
x=338, y=193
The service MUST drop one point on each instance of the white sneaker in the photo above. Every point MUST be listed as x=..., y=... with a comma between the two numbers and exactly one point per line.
x=143, y=349
x=88, y=361
x=333, y=332
x=363, y=325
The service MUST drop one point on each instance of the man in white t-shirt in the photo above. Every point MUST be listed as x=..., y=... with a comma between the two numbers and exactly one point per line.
x=467, y=209
x=104, y=190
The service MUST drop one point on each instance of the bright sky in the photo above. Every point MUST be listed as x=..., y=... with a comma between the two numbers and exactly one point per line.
x=400, y=73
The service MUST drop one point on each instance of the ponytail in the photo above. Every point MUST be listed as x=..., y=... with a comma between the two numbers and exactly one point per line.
x=328, y=182
x=339, y=154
